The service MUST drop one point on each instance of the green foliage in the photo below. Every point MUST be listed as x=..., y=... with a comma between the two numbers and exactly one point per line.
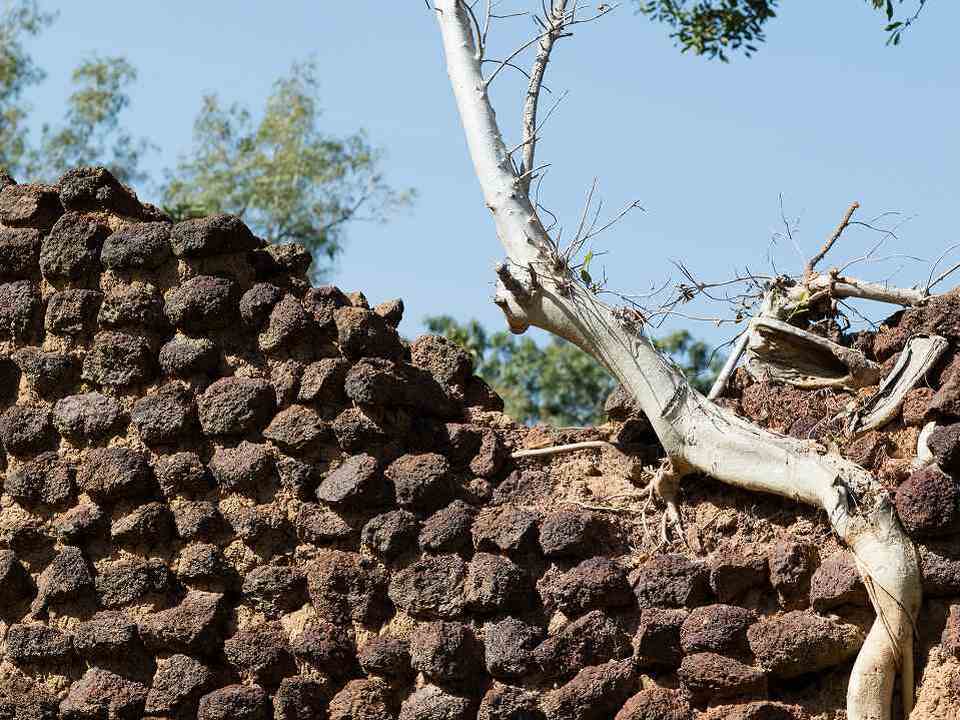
x=716, y=28
x=19, y=19
x=288, y=179
x=91, y=133
x=558, y=383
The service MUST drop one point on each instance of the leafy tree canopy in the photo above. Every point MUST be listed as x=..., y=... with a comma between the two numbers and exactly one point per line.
x=18, y=72
x=287, y=178
x=91, y=133
x=290, y=181
x=715, y=28
x=558, y=383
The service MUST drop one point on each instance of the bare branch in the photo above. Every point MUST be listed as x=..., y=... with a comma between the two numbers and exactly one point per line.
x=529, y=117
x=847, y=216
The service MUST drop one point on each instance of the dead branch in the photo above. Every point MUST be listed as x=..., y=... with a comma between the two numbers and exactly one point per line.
x=834, y=236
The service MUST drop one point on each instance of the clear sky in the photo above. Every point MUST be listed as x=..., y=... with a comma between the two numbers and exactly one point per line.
x=824, y=114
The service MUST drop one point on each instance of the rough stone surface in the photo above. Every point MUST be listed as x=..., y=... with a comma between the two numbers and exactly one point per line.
x=798, y=643
x=235, y=406
x=709, y=677
x=667, y=581
x=928, y=503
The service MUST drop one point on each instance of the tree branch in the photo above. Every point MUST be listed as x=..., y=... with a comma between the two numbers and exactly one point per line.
x=696, y=434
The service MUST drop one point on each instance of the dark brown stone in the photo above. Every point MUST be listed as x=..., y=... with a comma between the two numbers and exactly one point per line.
x=596, y=693
x=449, y=363
x=37, y=643
x=286, y=325
x=235, y=702
x=19, y=252
x=386, y=656
x=323, y=381
x=66, y=578
x=122, y=582
x=671, y=581
x=506, y=528
x=302, y=698
x=595, y=583
x=448, y=530
x=108, y=633
x=362, y=333
x=236, y=406
x=837, y=582
x=733, y=575
x=95, y=189
x=391, y=534
x=320, y=525
x=791, y=566
x=72, y=312
x=656, y=703
x=355, y=483
x=182, y=473
x=509, y=646
x=15, y=582
x=657, y=641
x=137, y=246
x=118, y=359
x=367, y=699
x=212, y=235
x=149, y=525
x=261, y=653
x=709, y=677
x=242, y=468
x=327, y=645
x=720, y=629
x=195, y=626
x=505, y=702
x=103, y=694
x=445, y=652
x=345, y=586
x=433, y=703
x=178, y=684
x=48, y=373
x=570, y=533
x=72, y=249
x=45, y=480
x=275, y=589
x=114, y=472
x=422, y=482
x=185, y=356
x=202, y=303
x=87, y=418
x=20, y=309
x=799, y=642
x=35, y=206
x=495, y=583
x=165, y=417
x=27, y=429
x=431, y=588
x=928, y=503
x=297, y=430
x=591, y=640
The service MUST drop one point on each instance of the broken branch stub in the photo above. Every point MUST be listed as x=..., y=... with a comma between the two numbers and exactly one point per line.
x=916, y=359
x=780, y=352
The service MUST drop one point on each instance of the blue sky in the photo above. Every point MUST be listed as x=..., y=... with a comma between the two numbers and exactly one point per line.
x=824, y=114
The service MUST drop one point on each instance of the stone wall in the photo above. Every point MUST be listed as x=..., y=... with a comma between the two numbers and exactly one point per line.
x=229, y=494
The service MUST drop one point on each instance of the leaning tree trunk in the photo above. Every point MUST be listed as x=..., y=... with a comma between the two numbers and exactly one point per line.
x=535, y=288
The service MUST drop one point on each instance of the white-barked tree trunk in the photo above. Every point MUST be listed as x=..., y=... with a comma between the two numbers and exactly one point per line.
x=535, y=289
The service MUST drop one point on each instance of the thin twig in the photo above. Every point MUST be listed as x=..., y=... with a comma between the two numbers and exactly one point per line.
x=812, y=263
x=598, y=444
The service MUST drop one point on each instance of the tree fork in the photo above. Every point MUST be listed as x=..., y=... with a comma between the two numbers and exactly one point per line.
x=696, y=434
